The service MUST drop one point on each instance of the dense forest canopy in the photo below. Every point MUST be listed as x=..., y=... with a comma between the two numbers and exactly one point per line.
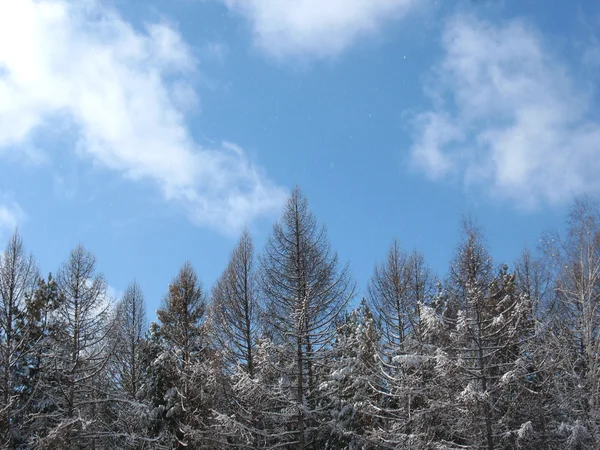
x=280, y=352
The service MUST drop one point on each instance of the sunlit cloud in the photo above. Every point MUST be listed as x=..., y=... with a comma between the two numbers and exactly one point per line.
x=315, y=28
x=126, y=92
x=11, y=215
x=507, y=115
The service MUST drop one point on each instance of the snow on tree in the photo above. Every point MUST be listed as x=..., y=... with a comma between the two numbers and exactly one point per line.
x=305, y=291
x=350, y=388
x=182, y=370
x=573, y=326
x=485, y=344
x=126, y=415
x=129, y=331
x=78, y=354
x=489, y=358
x=18, y=278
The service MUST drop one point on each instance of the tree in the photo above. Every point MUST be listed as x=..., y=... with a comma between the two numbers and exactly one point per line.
x=485, y=343
x=18, y=279
x=389, y=295
x=397, y=290
x=127, y=415
x=35, y=400
x=182, y=315
x=235, y=312
x=305, y=292
x=182, y=377
x=351, y=387
x=129, y=332
x=574, y=322
x=235, y=307
x=532, y=380
x=78, y=354
x=256, y=415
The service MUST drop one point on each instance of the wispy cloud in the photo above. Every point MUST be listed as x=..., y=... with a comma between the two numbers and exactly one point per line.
x=507, y=115
x=10, y=216
x=127, y=93
x=315, y=28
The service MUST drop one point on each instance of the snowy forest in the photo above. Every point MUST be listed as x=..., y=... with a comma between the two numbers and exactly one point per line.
x=282, y=353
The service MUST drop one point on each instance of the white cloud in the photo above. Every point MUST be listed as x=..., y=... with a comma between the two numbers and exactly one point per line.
x=508, y=115
x=113, y=294
x=10, y=216
x=315, y=28
x=124, y=91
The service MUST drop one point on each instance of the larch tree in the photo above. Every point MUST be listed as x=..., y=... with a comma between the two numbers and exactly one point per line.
x=235, y=316
x=575, y=324
x=129, y=331
x=235, y=307
x=18, y=279
x=485, y=344
x=78, y=355
x=399, y=288
x=128, y=336
x=389, y=296
x=305, y=291
x=351, y=386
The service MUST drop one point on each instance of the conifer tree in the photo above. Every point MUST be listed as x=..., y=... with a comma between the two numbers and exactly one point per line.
x=236, y=309
x=574, y=322
x=351, y=387
x=125, y=413
x=130, y=329
x=18, y=278
x=485, y=343
x=78, y=354
x=305, y=291
x=185, y=372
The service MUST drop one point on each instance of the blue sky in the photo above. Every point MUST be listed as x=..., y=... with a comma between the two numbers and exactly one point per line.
x=154, y=131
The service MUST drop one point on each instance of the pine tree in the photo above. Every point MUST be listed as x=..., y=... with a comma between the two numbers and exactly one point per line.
x=36, y=399
x=185, y=373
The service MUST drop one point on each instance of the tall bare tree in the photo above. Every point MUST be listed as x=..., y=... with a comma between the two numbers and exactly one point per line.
x=305, y=290
x=484, y=343
x=397, y=289
x=389, y=295
x=575, y=320
x=236, y=309
x=130, y=327
x=18, y=280
x=79, y=354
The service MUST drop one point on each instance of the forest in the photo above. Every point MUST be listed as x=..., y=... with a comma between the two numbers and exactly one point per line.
x=281, y=354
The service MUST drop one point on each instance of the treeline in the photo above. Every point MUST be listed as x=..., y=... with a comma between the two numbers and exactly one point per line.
x=489, y=357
